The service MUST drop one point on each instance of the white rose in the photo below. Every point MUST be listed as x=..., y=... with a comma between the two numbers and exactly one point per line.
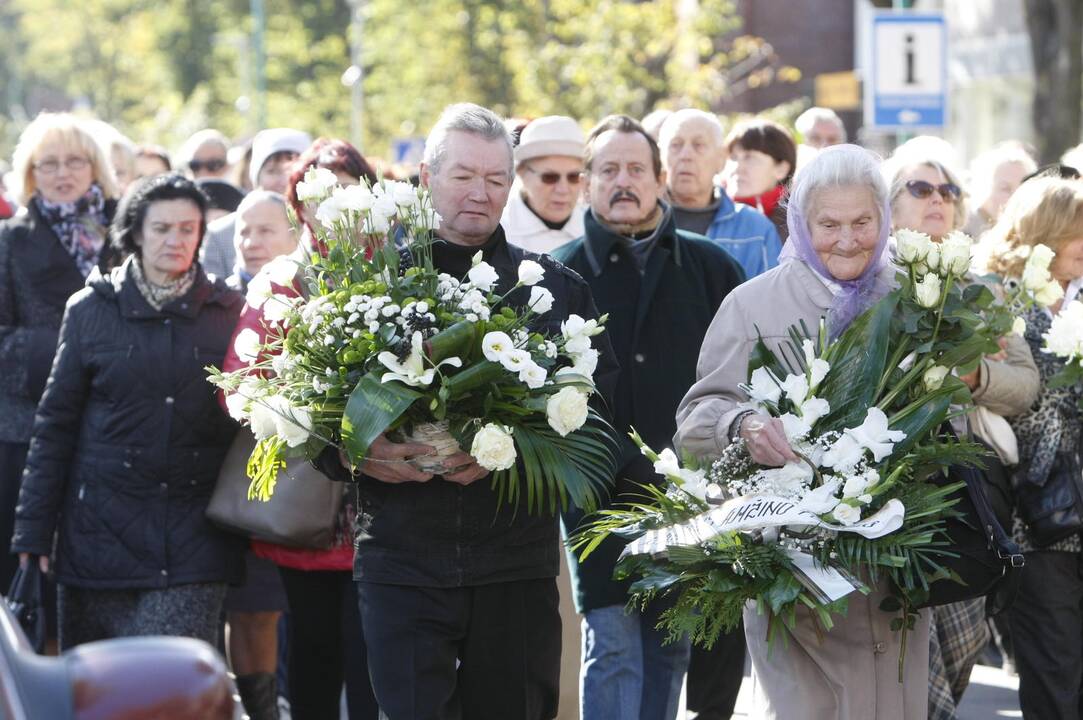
x=376, y=224
x=493, y=447
x=495, y=344
x=483, y=276
x=247, y=345
x=237, y=406
x=1019, y=327
x=577, y=344
x=354, y=198
x=566, y=410
x=1041, y=256
x=586, y=362
x=404, y=194
x=955, y=253
x=329, y=212
x=533, y=375
x=281, y=270
x=261, y=419
x=912, y=246
x=292, y=424
x=259, y=289
x=927, y=292
x=934, y=377
x=855, y=485
x=277, y=307
x=846, y=514
x=541, y=300
x=1050, y=293
x=384, y=206
x=530, y=272
x=1035, y=277
x=932, y=260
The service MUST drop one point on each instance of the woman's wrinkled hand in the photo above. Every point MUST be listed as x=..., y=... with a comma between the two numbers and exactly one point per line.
x=766, y=440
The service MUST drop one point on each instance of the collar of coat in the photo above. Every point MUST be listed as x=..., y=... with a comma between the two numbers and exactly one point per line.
x=599, y=239
x=119, y=286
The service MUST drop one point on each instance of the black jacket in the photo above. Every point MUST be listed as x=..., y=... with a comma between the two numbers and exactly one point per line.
x=657, y=320
x=128, y=440
x=37, y=276
x=440, y=534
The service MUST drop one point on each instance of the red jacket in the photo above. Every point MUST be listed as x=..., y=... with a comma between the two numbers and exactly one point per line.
x=338, y=557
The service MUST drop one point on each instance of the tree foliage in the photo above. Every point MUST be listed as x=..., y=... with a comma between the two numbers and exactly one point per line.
x=159, y=71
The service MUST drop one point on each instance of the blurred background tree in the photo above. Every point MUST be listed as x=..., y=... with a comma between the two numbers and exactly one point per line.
x=160, y=71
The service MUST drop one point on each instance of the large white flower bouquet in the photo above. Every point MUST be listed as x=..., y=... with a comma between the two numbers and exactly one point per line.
x=382, y=342
x=867, y=499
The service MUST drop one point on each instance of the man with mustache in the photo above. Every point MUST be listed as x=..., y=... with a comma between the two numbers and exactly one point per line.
x=661, y=287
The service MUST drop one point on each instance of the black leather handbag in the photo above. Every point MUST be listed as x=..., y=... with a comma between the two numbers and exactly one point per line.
x=25, y=600
x=1052, y=510
x=984, y=556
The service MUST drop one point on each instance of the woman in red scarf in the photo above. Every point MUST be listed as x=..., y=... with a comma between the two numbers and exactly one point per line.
x=762, y=161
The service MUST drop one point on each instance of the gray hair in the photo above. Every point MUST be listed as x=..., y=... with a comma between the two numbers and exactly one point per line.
x=255, y=197
x=893, y=172
x=669, y=125
x=985, y=166
x=209, y=136
x=838, y=166
x=808, y=119
x=468, y=118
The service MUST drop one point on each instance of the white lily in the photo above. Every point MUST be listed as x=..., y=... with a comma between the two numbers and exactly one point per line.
x=412, y=371
x=822, y=499
x=764, y=387
x=874, y=435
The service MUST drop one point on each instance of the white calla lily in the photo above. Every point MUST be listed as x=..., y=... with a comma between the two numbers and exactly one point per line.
x=412, y=371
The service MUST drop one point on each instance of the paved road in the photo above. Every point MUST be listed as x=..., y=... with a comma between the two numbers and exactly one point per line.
x=992, y=695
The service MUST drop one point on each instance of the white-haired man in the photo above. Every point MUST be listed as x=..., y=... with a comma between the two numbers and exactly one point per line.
x=820, y=127
x=693, y=153
x=457, y=589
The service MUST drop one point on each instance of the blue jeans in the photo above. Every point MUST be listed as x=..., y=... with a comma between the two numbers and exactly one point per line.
x=627, y=672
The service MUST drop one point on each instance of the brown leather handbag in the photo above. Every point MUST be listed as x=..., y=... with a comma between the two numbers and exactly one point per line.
x=303, y=512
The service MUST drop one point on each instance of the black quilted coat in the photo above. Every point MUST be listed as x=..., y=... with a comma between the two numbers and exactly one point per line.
x=128, y=439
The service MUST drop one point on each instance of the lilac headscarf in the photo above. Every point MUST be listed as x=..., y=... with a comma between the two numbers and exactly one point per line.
x=836, y=166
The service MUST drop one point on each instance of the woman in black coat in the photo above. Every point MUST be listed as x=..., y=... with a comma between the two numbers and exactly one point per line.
x=46, y=252
x=129, y=437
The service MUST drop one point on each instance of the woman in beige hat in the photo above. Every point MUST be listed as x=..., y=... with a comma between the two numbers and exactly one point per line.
x=544, y=210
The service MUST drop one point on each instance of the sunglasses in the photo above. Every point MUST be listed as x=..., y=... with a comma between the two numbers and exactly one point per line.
x=552, y=178
x=921, y=190
x=209, y=165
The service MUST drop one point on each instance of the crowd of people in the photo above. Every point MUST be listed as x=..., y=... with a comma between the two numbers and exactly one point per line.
x=123, y=269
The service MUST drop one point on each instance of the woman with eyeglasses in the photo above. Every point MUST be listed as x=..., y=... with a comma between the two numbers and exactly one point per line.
x=926, y=196
x=64, y=181
x=544, y=210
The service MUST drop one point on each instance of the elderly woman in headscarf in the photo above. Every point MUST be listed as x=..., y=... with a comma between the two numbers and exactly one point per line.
x=835, y=265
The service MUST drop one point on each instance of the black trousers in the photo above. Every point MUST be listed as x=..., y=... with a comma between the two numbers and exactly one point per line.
x=1047, y=632
x=490, y=652
x=715, y=676
x=326, y=646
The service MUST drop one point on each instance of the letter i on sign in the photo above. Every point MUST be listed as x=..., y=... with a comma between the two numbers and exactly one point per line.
x=910, y=79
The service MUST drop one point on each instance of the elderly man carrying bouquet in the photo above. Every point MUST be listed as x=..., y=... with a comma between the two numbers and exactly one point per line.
x=457, y=587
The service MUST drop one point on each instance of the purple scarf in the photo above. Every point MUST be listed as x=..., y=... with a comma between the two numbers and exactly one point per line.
x=854, y=296
x=81, y=226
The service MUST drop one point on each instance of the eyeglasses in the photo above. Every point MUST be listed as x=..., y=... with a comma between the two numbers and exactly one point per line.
x=921, y=190
x=552, y=178
x=51, y=166
x=213, y=165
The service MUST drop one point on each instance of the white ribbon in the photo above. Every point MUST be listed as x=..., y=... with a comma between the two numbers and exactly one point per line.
x=756, y=512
